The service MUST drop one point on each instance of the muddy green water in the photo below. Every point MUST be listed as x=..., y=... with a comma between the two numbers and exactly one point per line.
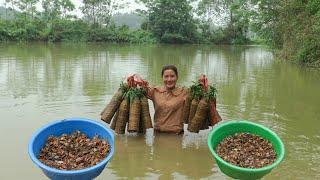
x=40, y=83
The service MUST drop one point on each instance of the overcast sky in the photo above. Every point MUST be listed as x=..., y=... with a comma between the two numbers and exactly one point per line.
x=132, y=5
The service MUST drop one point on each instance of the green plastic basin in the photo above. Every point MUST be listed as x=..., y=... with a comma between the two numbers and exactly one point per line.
x=230, y=128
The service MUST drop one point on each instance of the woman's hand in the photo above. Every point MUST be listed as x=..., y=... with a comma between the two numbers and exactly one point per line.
x=203, y=80
x=135, y=80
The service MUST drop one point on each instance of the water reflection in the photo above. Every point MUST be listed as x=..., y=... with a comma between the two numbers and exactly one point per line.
x=165, y=157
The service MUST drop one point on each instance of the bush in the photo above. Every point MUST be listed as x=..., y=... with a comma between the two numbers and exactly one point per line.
x=67, y=30
x=309, y=53
x=174, y=38
x=141, y=36
x=3, y=31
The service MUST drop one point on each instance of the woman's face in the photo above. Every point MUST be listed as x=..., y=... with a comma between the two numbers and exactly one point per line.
x=169, y=79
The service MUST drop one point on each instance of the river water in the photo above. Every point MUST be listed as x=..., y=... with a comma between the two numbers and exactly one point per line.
x=40, y=83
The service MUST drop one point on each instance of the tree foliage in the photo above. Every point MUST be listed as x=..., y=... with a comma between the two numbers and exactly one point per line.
x=171, y=20
x=232, y=15
x=27, y=7
x=293, y=27
x=53, y=9
x=100, y=12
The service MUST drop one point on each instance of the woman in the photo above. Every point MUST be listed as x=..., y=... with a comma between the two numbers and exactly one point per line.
x=168, y=102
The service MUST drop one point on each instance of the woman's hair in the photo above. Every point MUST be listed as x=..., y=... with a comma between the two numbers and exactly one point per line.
x=169, y=67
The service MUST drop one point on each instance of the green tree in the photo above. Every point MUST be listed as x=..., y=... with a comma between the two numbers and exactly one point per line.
x=6, y=3
x=66, y=6
x=233, y=15
x=10, y=4
x=53, y=9
x=240, y=21
x=292, y=27
x=171, y=20
x=266, y=21
x=101, y=11
x=206, y=11
x=27, y=7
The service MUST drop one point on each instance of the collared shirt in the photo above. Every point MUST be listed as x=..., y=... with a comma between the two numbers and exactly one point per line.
x=168, y=107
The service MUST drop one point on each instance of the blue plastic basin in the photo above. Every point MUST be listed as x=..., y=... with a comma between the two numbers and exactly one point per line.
x=57, y=128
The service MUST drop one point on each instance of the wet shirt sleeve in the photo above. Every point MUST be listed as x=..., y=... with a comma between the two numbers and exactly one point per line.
x=150, y=92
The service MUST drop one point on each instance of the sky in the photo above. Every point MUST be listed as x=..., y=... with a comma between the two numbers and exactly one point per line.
x=132, y=5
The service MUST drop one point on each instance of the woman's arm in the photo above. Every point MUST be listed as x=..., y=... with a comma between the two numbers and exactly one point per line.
x=150, y=92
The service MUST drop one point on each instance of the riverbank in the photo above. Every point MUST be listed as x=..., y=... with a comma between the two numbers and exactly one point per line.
x=79, y=31
x=67, y=30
